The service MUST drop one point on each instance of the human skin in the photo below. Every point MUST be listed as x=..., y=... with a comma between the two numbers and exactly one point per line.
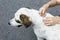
x=50, y=20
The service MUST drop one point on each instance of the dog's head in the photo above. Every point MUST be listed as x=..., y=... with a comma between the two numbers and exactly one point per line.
x=21, y=18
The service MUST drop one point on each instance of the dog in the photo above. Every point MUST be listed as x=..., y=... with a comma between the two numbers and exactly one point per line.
x=30, y=18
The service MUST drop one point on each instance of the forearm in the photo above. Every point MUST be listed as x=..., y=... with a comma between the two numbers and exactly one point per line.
x=45, y=7
x=53, y=3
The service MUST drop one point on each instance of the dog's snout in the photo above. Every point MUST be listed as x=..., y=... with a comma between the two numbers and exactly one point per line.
x=19, y=25
x=9, y=23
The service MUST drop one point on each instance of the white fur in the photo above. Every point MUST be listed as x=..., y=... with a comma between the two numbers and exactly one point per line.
x=40, y=29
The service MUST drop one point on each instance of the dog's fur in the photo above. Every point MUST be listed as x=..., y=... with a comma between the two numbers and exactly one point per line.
x=29, y=17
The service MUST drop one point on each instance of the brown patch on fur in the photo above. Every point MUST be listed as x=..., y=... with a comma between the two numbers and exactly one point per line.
x=25, y=20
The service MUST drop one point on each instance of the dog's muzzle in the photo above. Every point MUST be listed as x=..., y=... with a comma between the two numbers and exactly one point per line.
x=17, y=26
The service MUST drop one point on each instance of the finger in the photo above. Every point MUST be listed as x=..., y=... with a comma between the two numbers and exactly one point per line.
x=43, y=13
x=47, y=19
x=40, y=12
x=48, y=24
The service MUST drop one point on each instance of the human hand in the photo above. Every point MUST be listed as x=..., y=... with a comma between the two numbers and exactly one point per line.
x=49, y=21
x=43, y=9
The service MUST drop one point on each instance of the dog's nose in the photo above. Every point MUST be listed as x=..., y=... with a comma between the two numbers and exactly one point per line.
x=9, y=23
x=19, y=25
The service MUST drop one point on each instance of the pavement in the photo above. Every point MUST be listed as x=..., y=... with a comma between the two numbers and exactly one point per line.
x=7, y=10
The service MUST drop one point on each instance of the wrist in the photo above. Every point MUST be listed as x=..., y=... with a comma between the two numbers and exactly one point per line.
x=46, y=6
x=58, y=19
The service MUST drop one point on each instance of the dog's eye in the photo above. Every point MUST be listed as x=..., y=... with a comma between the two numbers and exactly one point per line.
x=17, y=21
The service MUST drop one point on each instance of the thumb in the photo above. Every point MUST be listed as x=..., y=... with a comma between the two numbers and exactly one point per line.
x=43, y=13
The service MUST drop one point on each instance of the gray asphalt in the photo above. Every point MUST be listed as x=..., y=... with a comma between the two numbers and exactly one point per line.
x=7, y=10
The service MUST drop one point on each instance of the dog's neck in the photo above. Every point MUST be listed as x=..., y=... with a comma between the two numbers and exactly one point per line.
x=36, y=18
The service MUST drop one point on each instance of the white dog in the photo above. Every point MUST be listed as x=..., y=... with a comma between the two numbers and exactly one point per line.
x=30, y=17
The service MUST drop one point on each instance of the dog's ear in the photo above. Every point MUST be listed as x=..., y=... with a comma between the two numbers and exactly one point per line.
x=25, y=20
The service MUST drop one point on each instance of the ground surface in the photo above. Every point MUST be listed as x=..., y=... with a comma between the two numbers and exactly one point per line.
x=7, y=10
